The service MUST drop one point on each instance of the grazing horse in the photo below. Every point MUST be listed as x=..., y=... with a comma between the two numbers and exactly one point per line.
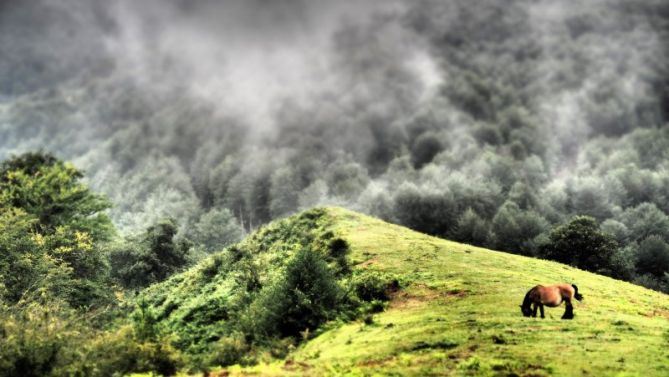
x=551, y=296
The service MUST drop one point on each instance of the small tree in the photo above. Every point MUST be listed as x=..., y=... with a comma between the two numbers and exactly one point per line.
x=51, y=190
x=582, y=244
x=306, y=296
x=426, y=211
x=516, y=230
x=52, y=227
x=653, y=257
x=152, y=257
x=471, y=228
x=215, y=230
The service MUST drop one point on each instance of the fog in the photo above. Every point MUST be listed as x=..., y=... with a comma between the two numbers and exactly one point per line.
x=419, y=112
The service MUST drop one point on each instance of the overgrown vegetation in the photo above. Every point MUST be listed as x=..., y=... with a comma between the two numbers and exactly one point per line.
x=265, y=295
x=452, y=319
x=69, y=283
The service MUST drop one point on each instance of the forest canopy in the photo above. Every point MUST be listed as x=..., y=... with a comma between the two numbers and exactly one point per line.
x=486, y=122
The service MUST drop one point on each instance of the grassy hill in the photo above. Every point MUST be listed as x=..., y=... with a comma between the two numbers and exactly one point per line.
x=456, y=314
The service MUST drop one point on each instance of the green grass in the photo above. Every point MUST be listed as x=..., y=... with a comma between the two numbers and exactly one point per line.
x=457, y=314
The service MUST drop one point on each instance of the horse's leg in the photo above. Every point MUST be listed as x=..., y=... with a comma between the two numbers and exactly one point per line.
x=534, y=310
x=541, y=308
x=569, y=311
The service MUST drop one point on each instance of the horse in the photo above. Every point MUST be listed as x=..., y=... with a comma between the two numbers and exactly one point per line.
x=551, y=296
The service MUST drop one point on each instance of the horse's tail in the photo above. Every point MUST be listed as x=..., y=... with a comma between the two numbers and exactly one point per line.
x=577, y=295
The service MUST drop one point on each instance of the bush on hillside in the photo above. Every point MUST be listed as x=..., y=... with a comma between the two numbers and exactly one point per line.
x=303, y=298
x=149, y=258
x=582, y=244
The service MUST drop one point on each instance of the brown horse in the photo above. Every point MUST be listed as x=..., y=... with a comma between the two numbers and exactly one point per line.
x=551, y=296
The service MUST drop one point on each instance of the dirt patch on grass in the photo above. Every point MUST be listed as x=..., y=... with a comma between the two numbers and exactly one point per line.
x=369, y=262
x=658, y=313
x=403, y=300
x=374, y=363
x=293, y=366
x=421, y=294
x=456, y=293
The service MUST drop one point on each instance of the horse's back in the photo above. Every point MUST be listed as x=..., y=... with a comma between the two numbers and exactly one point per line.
x=566, y=289
x=553, y=295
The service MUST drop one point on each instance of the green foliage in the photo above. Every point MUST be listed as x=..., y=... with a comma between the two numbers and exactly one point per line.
x=582, y=244
x=516, y=230
x=278, y=285
x=215, y=230
x=429, y=212
x=51, y=191
x=34, y=342
x=149, y=258
x=302, y=298
x=472, y=229
x=653, y=257
x=230, y=350
x=53, y=230
x=139, y=347
x=371, y=285
x=424, y=149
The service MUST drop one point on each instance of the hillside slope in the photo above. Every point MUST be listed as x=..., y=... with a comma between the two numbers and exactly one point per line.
x=457, y=314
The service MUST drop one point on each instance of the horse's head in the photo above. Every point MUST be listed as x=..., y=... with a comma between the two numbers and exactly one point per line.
x=526, y=310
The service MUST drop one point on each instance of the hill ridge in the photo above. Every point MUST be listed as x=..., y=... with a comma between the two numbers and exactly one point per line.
x=457, y=313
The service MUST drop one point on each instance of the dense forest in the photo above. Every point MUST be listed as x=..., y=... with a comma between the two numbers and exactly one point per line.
x=138, y=138
x=486, y=122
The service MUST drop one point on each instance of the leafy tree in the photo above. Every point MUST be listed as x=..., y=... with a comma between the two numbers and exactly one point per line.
x=215, y=230
x=305, y=297
x=581, y=243
x=424, y=149
x=516, y=230
x=589, y=196
x=429, y=212
x=653, y=257
x=471, y=228
x=645, y=220
x=52, y=191
x=53, y=227
x=38, y=340
x=149, y=258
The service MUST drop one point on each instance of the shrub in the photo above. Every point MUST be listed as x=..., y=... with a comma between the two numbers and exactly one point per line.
x=653, y=257
x=304, y=297
x=371, y=285
x=229, y=350
x=152, y=257
x=582, y=244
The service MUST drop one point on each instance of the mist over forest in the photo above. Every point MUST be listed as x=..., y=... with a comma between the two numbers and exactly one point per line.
x=487, y=122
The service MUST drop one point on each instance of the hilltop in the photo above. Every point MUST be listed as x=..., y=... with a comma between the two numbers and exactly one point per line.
x=456, y=312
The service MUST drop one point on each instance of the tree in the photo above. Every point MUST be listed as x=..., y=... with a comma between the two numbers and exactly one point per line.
x=516, y=230
x=52, y=229
x=581, y=243
x=424, y=149
x=149, y=258
x=471, y=228
x=430, y=212
x=303, y=298
x=645, y=220
x=51, y=190
x=215, y=230
x=653, y=257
